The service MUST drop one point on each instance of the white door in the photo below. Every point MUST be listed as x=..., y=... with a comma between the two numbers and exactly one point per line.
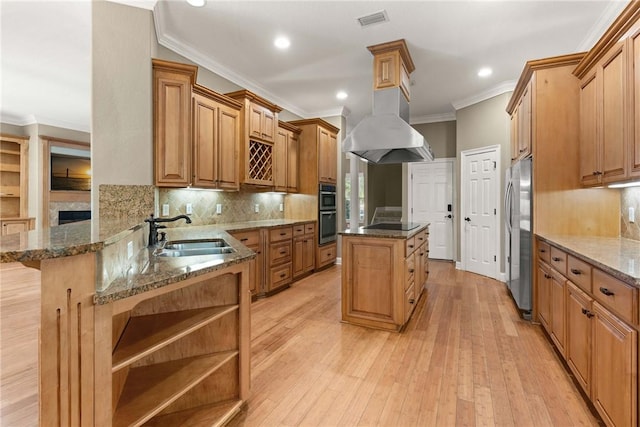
x=479, y=233
x=432, y=201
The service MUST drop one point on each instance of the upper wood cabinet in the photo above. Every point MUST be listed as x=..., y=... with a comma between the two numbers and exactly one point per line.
x=196, y=131
x=172, y=84
x=286, y=158
x=13, y=177
x=258, y=119
x=392, y=65
x=610, y=104
x=318, y=154
x=521, y=125
x=216, y=136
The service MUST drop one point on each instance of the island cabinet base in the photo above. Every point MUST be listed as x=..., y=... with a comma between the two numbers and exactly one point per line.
x=381, y=281
x=176, y=355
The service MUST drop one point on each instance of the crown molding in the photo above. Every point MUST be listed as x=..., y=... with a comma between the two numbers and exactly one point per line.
x=140, y=4
x=611, y=12
x=340, y=111
x=30, y=119
x=501, y=88
x=433, y=118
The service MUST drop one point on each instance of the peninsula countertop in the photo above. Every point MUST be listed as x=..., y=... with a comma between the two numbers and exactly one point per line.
x=617, y=256
x=384, y=234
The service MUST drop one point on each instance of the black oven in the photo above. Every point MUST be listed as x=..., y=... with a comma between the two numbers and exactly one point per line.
x=327, y=217
x=327, y=197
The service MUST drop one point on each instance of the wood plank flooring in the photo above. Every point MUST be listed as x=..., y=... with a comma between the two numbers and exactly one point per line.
x=465, y=359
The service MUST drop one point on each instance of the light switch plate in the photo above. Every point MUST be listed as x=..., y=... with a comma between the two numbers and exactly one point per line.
x=219, y=208
x=256, y=208
x=129, y=249
x=189, y=208
x=632, y=214
x=281, y=207
x=165, y=209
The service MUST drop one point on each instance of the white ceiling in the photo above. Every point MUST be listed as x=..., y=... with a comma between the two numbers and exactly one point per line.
x=46, y=50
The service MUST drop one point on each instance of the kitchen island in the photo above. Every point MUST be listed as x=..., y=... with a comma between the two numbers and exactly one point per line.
x=127, y=337
x=384, y=270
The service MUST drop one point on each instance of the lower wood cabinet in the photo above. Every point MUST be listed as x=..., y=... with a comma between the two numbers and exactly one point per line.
x=326, y=255
x=557, y=306
x=304, y=245
x=10, y=226
x=579, y=321
x=253, y=240
x=279, y=249
x=544, y=290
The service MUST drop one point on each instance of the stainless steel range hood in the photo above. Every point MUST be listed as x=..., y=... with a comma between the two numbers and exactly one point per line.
x=385, y=136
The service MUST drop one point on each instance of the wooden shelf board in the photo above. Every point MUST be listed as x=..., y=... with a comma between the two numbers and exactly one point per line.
x=150, y=389
x=211, y=415
x=12, y=152
x=9, y=167
x=146, y=334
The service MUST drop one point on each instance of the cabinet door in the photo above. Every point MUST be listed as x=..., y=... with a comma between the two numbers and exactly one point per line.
x=298, y=256
x=10, y=227
x=228, y=143
x=268, y=125
x=589, y=145
x=579, y=323
x=524, y=123
x=514, y=134
x=308, y=253
x=557, y=304
x=614, y=134
x=615, y=364
x=634, y=140
x=172, y=129
x=280, y=161
x=255, y=120
x=205, y=147
x=292, y=162
x=544, y=289
x=326, y=156
x=255, y=274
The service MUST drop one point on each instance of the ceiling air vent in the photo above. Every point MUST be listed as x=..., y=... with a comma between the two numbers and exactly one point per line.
x=373, y=18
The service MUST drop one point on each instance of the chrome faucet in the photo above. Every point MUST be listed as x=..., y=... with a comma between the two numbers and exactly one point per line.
x=154, y=227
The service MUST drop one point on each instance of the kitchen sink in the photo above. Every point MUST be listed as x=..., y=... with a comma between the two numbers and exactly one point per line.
x=180, y=248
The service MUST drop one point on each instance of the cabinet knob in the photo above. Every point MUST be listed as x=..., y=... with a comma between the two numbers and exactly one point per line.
x=556, y=259
x=606, y=291
x=283, y=234
x=411, y=301
x=543, y=251
x=576, y=271
x=587, y=313
x=547, y=276
x=411, y=246
x=244, y=239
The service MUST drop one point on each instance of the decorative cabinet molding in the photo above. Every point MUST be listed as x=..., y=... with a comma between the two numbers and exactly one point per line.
x=392, y=65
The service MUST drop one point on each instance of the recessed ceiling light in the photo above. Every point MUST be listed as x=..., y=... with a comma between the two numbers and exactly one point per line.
x=282, y=42
x=197, y=3
x=485, y=72
x=342, y=95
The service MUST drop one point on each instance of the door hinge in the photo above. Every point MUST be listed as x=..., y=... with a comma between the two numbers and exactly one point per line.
x=494, y=258
x=494, y=211
x=495, y=165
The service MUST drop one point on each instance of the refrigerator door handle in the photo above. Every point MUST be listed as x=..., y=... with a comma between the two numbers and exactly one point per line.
x=507, y=206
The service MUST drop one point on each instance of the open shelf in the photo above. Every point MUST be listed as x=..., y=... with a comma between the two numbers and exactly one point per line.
x=9, y=191
x=150, y=389
x=212, y=415
x=147, y=334
x=9, y=167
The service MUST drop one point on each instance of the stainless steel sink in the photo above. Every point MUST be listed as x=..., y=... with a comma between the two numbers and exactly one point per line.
x=180, y=248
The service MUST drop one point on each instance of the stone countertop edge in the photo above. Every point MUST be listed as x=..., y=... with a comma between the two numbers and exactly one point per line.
x=618, y=256
x=384, y=234
x=78, y=238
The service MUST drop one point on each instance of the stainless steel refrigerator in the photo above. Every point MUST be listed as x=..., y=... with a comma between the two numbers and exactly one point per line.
x=518, y=216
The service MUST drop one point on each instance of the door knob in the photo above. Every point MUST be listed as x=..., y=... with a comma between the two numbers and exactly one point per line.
x=448, y=216
x=466, y=218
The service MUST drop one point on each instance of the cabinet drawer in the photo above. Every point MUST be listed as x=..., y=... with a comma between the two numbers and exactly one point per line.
x=247, y=238
x=410, y=245
x=279, y=253
x=544, y=251
x=558, y=260
x=326, y=254
x=309, y=228
x=298, y=230
x=409, y=302
x=616, y=295
x=421, y=238
x=410, y=269
x=579, y=272
x=278, y=234
x=280, y=276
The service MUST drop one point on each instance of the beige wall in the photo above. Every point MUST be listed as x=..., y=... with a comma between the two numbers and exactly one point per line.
x=384, y=186
x=441, y=137
x=480, y=125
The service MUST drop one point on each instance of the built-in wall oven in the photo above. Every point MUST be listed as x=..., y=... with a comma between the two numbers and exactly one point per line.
x=327, y=217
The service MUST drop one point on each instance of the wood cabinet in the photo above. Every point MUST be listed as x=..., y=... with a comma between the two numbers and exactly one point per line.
x=392, y=65
x=13, y=177
x=172, y=84
x=599, y=336
x=258, y=123
x=253, y=239
x=304, y=246
x=10, y=226
x=634, y=79
x=521, y=125
x=286, y=158
x=196, y=131
x=603, y=137
x=326, y=255
x=280, y=249
x=380, y=283
x=327, y=158
x=216, y=136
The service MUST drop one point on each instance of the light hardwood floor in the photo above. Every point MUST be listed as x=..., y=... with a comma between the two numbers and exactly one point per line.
x=465, y=359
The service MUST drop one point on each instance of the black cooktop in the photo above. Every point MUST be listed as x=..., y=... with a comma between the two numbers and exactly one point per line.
x=402, y=226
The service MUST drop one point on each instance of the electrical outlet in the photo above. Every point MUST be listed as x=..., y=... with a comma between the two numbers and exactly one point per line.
x=165, y=209
x=256, y=208
x=189, y=208
x=281, y=207
x=129, y=249
x=632, y=214
x=218, y=208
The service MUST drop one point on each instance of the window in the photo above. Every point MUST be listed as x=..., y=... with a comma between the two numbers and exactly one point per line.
x=347, y=196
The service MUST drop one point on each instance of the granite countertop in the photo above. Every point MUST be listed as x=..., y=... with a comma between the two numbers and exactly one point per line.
x=384, y=234
x=617, y=256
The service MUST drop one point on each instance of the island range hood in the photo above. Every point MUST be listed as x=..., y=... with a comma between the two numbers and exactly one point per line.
x=385, y=136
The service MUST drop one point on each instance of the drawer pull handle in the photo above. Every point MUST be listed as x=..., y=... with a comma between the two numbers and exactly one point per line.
x=411, y=246
x=244, y=239
x=283, y=275
x=283, y=234
x=556, y=259
x=547, y=276
x=576, y=271
x=587, y=313
x=411, y=301
x=606, y=291
x=282, y=252
x=543, y=251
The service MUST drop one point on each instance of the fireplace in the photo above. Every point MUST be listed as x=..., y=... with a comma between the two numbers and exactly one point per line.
x=65, y=217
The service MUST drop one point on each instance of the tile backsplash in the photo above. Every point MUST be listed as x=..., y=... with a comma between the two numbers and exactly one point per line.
x=235, y=206
x=630, y=198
